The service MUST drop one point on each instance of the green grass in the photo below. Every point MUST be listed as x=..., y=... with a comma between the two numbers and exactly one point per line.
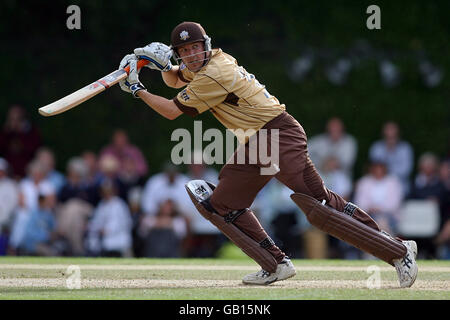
x=433, y=282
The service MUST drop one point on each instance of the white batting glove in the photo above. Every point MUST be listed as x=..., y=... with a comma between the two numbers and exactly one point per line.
x=131, y=84
x=158, y=54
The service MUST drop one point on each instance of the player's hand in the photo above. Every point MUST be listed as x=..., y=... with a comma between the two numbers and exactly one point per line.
x=123, y=64
x=131, y=84
x=158, y=54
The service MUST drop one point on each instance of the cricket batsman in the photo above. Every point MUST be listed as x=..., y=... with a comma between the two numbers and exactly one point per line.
x=213, y=81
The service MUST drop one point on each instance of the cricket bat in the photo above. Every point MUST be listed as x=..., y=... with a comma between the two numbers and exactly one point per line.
x=89, y=91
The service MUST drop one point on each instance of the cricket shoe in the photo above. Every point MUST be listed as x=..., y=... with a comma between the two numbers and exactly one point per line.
x=285, y=270
x=407, y=267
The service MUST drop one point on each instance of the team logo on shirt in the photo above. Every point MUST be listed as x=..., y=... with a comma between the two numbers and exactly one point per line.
x=184, y=35
x=184, y=95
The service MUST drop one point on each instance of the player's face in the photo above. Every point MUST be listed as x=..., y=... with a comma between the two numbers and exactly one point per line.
x=193, y=55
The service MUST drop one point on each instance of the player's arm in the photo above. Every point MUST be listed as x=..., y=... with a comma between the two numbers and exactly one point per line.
x=165, y=107
x=172, y=79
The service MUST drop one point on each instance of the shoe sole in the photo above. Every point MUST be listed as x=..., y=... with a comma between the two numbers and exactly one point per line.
x=258, y=283
x=413, y=279
x=269, y=282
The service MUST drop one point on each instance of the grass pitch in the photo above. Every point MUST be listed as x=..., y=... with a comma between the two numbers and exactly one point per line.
x=212, y=279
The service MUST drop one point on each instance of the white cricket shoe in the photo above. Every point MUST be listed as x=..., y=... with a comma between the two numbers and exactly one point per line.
x=285, y=270
x=407, y=267
x=413, y=246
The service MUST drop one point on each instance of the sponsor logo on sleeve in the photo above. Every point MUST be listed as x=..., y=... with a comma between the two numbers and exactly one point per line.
x=184, y=95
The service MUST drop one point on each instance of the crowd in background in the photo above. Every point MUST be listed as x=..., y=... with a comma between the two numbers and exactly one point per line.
x=107, y=203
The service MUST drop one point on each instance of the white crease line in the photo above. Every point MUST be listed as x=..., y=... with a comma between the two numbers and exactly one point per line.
x=154, y=283
x=203, y=267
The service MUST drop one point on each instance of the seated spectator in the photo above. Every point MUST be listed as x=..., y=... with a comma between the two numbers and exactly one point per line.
x=198, y=170
x=396, y=153
x=442, y=240
x=32, y=183
x=335, y=179
x=281, y=218
x=19, y=140
x=129, y=175
x=169, y=183
x=46, y=156
x=93, y=176
x=428, y=186
x=9, y=199
x=77, y=200
x=109, y=167
x=204, y=239
x=334, y=143
x=380, y=195
x=40, y=232
x=134, y=203
x=164, y=231
x=20, y=219
x=109, y=231
x=427, y=183
x=124, y=152
x=76, y=185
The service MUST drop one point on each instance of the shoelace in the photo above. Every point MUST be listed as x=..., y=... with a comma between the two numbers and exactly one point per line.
x=263, y=273
x=406, y=261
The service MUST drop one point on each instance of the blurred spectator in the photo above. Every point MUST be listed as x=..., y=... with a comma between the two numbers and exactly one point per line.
x=76, y=185
x=335, y=179
x=129, y=175
x=199, y=170
x=21, y=216
x=9, y=198
x=93, y=176
x=397, y=154
x=164, y=231
x=46, y=156
x=442, y=240
x=40, y=231
x=19, y=140
x=281, y=218
x=380, y=195
x=33, y=183
x=334, y=143
x=166, y=185
x=76, y=199
x=134, y=203
x=427, y=183
x=204, y=239
x=126, y=153
x=29, y=189
x=109, y=231
x=109, y=167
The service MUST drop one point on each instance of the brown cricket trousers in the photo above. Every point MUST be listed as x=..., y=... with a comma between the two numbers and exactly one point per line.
x=240, y=183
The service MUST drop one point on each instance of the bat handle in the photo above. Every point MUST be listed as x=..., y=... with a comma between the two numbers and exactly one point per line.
x=140, y=64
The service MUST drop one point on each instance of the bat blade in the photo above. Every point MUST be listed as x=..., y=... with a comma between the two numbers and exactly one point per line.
x=74, y=99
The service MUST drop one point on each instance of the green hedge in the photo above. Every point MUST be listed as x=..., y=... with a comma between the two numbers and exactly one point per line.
x=44, y=61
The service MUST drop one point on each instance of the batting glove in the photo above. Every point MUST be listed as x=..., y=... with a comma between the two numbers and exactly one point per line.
x=158, y=54
x=131, y=84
